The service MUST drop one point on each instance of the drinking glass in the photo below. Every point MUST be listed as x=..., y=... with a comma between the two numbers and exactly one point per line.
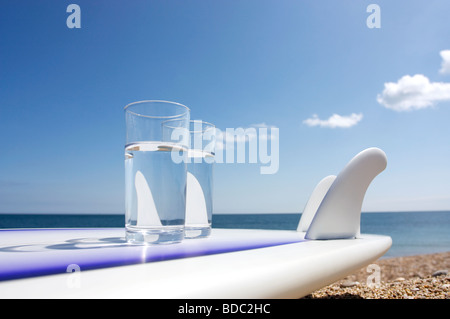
x=199, y=195
x=155, y=177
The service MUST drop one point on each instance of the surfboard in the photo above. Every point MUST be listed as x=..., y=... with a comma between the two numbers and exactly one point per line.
x=231, y=263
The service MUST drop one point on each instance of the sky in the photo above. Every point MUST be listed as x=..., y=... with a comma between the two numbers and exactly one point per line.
x=314, y=70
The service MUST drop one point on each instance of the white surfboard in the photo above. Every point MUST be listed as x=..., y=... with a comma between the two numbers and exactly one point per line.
x=231, y=263
x=97, y=263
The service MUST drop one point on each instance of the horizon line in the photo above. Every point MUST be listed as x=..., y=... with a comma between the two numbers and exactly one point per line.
x=229, y=213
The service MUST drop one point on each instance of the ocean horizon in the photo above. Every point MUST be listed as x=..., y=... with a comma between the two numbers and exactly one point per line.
x=412, y=233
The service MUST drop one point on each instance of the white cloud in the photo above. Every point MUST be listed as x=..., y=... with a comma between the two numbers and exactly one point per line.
x=413, y=92
x=445, y=66
x=335, y=120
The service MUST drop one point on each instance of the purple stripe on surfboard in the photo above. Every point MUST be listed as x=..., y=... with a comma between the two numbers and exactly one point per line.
x=24, y=261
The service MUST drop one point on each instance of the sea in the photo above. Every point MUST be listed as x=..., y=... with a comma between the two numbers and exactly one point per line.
x=412, y=233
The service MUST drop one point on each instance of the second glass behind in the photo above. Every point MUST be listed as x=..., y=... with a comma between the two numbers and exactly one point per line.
x=200, y=166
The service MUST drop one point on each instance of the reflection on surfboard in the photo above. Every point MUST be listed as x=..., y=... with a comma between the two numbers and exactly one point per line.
x=196, y=212
x=147, y=214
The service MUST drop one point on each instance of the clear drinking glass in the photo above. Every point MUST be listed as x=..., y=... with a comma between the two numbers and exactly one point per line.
x=199, y=195
x=155, y=177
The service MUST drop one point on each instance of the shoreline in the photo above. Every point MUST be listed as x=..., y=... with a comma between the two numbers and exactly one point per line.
x=411, y=277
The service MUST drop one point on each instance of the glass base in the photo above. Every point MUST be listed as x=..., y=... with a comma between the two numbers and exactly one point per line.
x=154, y=236
x=197, y=232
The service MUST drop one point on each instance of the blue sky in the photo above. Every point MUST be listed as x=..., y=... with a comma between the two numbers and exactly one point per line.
x=235, y=64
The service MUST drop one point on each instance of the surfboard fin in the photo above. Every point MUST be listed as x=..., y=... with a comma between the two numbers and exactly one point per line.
x=338, y=214
x=314, y=202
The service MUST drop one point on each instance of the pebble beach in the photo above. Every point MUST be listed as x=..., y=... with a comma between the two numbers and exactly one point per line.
x=411, y=277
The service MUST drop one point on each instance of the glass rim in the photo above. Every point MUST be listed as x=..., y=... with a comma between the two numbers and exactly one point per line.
x=187, y=110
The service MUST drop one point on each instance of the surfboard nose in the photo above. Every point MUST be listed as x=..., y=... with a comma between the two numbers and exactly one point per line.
x=339, y=213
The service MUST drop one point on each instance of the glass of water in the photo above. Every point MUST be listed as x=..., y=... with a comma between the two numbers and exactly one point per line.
x=155, y=172
x=199, y=195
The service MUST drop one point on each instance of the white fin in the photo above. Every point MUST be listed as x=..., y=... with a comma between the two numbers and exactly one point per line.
x=147, y=215
x=339, y=214
x=196, y=212
x=314, y=202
